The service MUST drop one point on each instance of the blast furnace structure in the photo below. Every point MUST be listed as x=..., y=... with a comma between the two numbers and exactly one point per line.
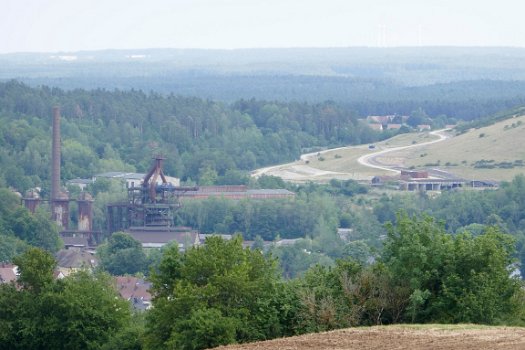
x=150, y=206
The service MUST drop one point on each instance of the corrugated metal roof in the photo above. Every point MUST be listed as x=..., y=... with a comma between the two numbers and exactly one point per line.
x=164, y=237
x=239, y=194
x=121, y=175
x=80, y=181
x=75, y=241
x=271, y=192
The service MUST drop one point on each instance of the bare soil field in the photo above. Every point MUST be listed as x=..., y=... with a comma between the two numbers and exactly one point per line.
x=417, y=337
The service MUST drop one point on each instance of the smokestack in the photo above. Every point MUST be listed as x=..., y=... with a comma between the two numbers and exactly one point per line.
x=55, y=155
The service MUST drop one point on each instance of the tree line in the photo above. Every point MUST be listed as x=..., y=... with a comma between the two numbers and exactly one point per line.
x=374, y=93
x=222, y=293
x=467, y=210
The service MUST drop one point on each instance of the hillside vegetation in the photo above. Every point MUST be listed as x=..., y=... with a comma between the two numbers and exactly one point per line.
x=465, y=83
x=491, y=152
x=342, y=162
x=203, y=141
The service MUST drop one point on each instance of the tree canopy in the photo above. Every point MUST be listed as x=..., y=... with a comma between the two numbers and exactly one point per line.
x=19, y=228
x=215, y=294
x=452, y=278
x=122, y=254
x=81, y=311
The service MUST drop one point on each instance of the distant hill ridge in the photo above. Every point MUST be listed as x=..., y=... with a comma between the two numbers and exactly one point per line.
x=456, y=81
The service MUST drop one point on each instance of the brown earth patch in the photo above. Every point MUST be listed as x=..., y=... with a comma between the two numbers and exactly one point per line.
x=462, y=337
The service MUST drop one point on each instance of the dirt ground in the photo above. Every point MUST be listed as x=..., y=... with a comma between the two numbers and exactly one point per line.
x=400, y=337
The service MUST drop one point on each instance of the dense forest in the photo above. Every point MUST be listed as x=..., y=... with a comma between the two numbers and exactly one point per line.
x=464, y=99
x=204, y=141
x=121, y=130
x=464, y=83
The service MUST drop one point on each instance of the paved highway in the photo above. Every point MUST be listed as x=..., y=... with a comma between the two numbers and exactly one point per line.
x=370, y=160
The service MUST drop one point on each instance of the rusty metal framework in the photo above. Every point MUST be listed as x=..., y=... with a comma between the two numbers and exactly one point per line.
x=152, y=204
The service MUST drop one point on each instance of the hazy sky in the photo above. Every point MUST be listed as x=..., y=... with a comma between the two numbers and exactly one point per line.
x=72, y=25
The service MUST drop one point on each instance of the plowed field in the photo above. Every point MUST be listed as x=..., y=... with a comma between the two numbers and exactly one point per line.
x=464, y=337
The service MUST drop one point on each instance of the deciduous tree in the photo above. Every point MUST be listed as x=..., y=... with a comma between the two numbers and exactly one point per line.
x=220, y=279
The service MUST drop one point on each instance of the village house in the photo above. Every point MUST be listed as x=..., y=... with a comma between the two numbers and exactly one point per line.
x=393, y=126
x=72, y=260
x=380, y=119
x=376, y=127
x=135, y=290
x=8, y=273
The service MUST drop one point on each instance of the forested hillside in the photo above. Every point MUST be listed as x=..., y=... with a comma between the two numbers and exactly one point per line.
x=204, y=141
x=367, y=96
x=214, y=143
x=466, y=83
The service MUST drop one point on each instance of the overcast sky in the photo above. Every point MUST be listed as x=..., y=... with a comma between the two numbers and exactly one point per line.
x=73, y=25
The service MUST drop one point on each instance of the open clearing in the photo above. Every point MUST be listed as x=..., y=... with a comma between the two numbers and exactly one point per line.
x=501, y=142
x=414, y=337
x=497, y=145
x=343, y=163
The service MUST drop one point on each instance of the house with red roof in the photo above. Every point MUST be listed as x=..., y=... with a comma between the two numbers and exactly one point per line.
x=8, y=273
x=135, y=290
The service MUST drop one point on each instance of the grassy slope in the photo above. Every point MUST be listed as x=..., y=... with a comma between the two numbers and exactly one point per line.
x=343, y=161
x=349, y=155
x=499, y=142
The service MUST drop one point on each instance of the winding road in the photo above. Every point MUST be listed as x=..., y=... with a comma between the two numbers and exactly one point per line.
x=370, y=160
x=302, y=172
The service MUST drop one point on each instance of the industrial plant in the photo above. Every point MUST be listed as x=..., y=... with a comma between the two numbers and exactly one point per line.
x=59, y=202
x=148, y=212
